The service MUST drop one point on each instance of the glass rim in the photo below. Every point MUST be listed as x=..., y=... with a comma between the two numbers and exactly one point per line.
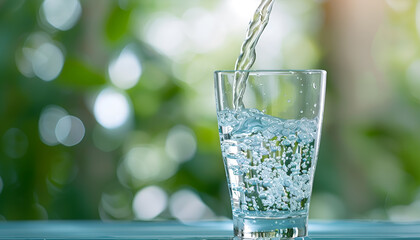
x=281, y=71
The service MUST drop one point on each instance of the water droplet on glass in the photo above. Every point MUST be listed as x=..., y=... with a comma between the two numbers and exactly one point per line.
x=314, y=85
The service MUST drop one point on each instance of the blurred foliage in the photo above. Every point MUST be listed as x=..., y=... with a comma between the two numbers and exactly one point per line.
x=369, y=158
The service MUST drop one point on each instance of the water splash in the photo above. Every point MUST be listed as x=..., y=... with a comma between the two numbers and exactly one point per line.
x=270, y=162
x=248, y=54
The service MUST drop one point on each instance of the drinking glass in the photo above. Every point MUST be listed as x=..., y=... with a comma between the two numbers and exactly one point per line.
x=270, y=146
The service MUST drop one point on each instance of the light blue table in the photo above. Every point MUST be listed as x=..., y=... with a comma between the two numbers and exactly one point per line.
x=196, y=230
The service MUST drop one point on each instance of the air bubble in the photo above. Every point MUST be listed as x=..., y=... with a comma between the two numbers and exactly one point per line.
x=292, y=137
x=269, y=160
x=236, y=170
x=263, y=196
x=267, y=183
x=253, y=181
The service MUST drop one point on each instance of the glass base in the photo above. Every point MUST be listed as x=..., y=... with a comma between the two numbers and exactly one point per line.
x=270, y=228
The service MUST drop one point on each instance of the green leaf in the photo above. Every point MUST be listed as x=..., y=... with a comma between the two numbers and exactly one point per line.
x=117, y=24
x=78, y=74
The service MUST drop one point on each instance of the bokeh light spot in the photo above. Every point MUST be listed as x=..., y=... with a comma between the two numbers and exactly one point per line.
x=185, y=205
x=148, y=163
x=111, y=108
x=47, y=61
x=48, y=122
x=418, y=17
x=40, y=211
x=300, y=50
x=15, y=143
x=326, y=206
x=413, y=78
x=181, y=143
x=241, y=9
x=61, y=14
x=410, y=212
x=25, y=56
x=126, y=70
x=399, y=5
x=204, y=30
x=40, y=56
x=116, y=204
x=107, y=140
x=166, y=34
x=69, y=130
x=62, y=172
x=149, y=202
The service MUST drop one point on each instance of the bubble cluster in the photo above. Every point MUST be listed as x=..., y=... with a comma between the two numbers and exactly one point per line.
x=270, y=161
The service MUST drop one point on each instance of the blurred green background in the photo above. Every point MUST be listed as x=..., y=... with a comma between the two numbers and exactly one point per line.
x=107, y=107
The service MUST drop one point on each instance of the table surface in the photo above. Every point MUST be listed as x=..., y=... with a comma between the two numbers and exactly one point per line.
x=196, y=230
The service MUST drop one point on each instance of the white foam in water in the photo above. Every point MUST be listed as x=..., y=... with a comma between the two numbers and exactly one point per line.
x=269, y=161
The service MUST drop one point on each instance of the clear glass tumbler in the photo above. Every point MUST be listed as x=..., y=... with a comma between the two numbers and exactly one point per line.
x=270, y=147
